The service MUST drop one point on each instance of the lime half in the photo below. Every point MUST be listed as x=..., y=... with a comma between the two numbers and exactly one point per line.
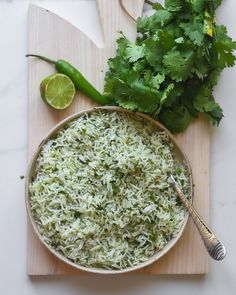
x=58, y=91
x=43, y=86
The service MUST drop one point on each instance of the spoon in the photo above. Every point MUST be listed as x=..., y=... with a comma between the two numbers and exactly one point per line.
x=215, y=247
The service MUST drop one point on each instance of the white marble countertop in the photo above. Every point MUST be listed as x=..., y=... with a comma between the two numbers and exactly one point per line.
x=13, y=126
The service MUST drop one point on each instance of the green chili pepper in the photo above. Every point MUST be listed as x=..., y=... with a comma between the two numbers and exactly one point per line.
x=80, y=82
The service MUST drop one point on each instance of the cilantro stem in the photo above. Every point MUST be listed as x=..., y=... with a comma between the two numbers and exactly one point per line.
x=149, y=2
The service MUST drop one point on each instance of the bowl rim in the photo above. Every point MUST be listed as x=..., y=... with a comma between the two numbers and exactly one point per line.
x=30, y=171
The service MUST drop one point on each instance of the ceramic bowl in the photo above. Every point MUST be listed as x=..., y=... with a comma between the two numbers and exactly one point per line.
x=180, y=156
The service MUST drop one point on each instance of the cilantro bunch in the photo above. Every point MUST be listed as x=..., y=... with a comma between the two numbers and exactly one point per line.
x=171, y=69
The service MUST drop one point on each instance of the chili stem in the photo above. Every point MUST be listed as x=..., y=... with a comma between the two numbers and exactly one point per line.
x=42, y=57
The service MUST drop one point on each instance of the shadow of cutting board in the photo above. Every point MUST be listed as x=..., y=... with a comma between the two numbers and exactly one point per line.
x=52, y=36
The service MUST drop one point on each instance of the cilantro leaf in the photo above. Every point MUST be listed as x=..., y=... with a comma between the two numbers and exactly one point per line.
x=150, y=24
x=144, y=97
x=176, y=119
x=164, y=97
x=216, y=3
x=156, y=48
x=157, y=80
x=223, y=47
x=134, y=52
x=178, y=64
x=215, y=115
x=205, y=103
x=197, y=6
x=201, y=65
x=194, y=30
x=153, y=81
x=174, y=5
x=157, y=6
x=213, y=78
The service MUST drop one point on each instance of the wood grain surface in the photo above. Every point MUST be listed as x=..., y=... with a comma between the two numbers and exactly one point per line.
x=188, y=256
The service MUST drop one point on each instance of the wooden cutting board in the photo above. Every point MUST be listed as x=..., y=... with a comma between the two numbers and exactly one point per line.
x=52, y=36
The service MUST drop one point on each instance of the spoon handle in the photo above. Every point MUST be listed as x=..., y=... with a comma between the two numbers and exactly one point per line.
x=215, y=247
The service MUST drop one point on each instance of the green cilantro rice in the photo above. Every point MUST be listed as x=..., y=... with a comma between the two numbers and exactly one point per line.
x=100, y=194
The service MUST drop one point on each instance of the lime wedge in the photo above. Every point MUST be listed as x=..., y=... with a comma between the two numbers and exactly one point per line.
x=58, y=91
